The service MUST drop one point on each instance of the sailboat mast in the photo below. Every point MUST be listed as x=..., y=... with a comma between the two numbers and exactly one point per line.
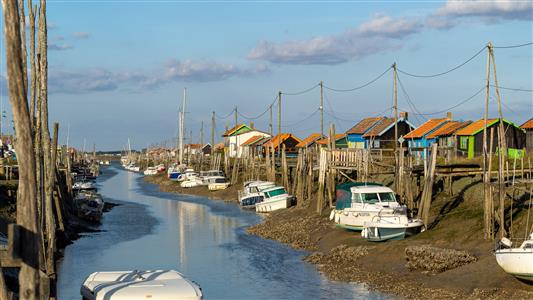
x=182, y=124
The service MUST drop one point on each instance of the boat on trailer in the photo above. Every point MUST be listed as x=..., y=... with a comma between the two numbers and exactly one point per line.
x=137, y=285
x=516, y=261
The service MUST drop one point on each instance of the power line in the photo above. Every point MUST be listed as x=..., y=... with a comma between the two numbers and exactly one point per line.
x=361, y=86
x=409, y=102
x=512, y=89
x=302, y=120
x=261, y=114
x=445, y=72
x=458, y=104
x=513, y=46
x=226, y=116
x=301, y=92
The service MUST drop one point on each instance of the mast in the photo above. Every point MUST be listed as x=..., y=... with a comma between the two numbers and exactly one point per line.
x=182, y=125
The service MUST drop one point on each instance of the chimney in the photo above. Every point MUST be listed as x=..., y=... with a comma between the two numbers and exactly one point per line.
x=404, y=115
x=449, y=116
x=252, y=125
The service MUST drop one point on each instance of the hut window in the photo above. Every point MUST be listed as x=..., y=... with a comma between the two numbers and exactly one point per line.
x=464, y=142
x=376, y=144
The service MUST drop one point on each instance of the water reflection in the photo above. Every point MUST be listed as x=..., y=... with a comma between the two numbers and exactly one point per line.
x=203, y=239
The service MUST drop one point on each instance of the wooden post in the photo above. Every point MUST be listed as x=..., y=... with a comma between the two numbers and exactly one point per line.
x=427, y=194
x=284, y=170
x=26, y=193
x=279, y=122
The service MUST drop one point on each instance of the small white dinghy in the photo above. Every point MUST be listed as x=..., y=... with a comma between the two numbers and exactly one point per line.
x=137, y=285
x=516, y=261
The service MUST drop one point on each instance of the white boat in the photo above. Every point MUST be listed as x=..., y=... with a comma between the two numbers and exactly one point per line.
x=220, y=183
x=252, y=192
x=210, y=176
x=358, y=203
x=191, y=181
x=150, y=171
x=84, y=185
x=132, y=167
x=188, y=174
x=516, y=261
x=395, y=226
x=274, y=198
x=139, y=285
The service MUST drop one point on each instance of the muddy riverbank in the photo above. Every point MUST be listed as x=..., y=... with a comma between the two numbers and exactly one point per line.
x=344, y=256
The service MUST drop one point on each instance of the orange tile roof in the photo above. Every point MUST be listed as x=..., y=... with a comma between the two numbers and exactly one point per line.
x=475, y=127
x=194, y=146
x=364, y=125
x=424, y=129
x=448, y=129
x=279, y=139
x=252, y=140
x=528, y=124
x=309, y=140
x=377, y=129
x=325, y=140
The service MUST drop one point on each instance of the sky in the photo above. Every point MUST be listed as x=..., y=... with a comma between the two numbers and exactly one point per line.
x=117, y=69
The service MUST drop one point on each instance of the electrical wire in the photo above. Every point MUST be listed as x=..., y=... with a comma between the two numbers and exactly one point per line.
x=409, y=102
x=261, y=114
x=361, y=86
x=301, y=92
x=458, y=104
x=302, y=120
x=445, y=72
x=512, y=89
x=226, y=116
x=513, y=46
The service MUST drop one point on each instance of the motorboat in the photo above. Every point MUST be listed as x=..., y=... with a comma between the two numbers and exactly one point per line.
x=132, y=167
x=360, y=202
x=139, y=285
x=188, y=174
x=89, y=205
x=395, y=226
x=274, y=198
x=150, y=171
x=252, y=192
x=174, y=171
x=191, y=181
x=84, y=185
x=516, y=261
x=211, y=176
x=160, y=168
x=219, y=183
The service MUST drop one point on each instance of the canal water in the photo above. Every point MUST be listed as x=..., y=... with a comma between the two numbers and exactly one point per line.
x=203, y=239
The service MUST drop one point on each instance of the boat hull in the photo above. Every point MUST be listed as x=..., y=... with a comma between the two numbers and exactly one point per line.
x=380, y=232
x=516, y=262
x=272, y=205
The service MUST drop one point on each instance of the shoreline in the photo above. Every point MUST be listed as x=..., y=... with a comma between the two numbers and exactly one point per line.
x=343, y=256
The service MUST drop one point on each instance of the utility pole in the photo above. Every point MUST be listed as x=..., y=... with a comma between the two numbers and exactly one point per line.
x=213, y=132
x=202, y=134
x=279, y=123
x=321, y=108
x=270, y=122
x=236, y=117
x=395, y=110
x=486, y=176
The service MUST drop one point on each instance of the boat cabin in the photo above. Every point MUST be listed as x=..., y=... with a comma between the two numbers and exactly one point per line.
x=274, y=191
x=349, y=194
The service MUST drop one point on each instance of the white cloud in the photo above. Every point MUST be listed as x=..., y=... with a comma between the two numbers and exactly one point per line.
x=81, y=35
x=101, y=80
x=371, y=37
x=59, y=47
x=505, y=9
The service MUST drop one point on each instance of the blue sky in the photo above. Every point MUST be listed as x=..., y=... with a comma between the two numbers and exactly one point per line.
x=118, y=68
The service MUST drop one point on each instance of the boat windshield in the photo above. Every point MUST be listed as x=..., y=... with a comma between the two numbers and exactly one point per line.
x=276, y=192
x=220, y=180
x=387, y=197
x=369, y=198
